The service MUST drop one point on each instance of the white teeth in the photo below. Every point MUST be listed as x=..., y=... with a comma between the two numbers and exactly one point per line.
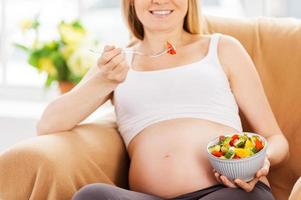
x=161, y=12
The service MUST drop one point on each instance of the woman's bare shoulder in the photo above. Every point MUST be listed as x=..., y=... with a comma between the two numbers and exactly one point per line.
x=228, y=42
x=230, y=52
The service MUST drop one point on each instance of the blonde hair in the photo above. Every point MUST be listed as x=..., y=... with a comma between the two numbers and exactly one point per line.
x=191, y=21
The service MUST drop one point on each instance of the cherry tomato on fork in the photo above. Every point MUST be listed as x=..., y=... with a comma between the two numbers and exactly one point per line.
x=172, y=49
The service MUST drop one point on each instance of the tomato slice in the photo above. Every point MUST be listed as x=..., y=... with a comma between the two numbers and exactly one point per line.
x=234, y=137
x=258, y=145
x=172, y=49
x=217, y=153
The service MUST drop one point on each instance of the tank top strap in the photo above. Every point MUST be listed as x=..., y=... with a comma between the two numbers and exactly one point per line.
x=213, y=46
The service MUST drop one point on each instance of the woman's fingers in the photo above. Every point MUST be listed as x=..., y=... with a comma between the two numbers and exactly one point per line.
x=265, y=169
x=108, y=54
x=227, y=182
x=114, y=62
x=108, y=48
x=223, y=179
x=121, y=67
x=120, y=72
x=217, y=177
x=262, y=172
x=248, y=187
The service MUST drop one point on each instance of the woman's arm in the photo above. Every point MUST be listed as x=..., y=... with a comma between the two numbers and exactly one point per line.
x=96, y=88
x=249, y=94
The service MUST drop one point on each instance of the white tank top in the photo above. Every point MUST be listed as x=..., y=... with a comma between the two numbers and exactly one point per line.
x=197, y=90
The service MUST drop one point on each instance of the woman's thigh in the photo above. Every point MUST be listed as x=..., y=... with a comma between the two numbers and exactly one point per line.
x=102, y=191
x=260, y=192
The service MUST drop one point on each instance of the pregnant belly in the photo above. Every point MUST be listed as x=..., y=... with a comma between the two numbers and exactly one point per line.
x=169, y=158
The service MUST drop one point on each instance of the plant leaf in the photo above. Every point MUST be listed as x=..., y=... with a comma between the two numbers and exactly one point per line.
x=60, y=64
x=48, y=81
x=22, y=47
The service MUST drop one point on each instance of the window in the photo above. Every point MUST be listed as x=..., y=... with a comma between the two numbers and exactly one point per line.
x=101, y=17
x=2, y=24
x=18, y=72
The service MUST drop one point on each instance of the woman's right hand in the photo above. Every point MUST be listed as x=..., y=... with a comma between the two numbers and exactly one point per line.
x=247, y=186
x=113, y=65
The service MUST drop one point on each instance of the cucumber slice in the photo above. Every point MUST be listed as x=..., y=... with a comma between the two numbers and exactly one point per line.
x=225, y=149
x=254, y=150
x=230, y=154
x=239, y=143
x=214, y=148
x=227, y=141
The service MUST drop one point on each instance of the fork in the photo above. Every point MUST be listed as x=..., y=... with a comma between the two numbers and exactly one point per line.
x=127, y=50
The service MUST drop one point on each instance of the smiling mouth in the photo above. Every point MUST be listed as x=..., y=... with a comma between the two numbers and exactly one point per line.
x=161, y=12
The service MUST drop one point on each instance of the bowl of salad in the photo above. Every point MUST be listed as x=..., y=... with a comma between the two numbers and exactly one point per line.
x=238, y=155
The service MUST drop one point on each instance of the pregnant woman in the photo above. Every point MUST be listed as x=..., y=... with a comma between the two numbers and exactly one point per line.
x=169, y=107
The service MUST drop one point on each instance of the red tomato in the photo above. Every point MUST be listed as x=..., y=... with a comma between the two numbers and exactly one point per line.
x=172, y=49
x=258, y=144
x=217, y=153
x=234, y=137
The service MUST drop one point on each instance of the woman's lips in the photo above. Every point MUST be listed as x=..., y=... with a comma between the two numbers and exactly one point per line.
x=161, y=13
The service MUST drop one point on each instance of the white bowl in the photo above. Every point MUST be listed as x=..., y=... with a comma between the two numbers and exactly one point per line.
x=243, y=168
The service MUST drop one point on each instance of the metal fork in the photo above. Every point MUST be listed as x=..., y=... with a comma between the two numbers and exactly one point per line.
x=127, y=50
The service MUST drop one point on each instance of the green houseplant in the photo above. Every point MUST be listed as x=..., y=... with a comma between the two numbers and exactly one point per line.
x=64, y=59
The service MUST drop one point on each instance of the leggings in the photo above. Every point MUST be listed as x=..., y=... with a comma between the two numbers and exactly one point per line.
x=101, y=191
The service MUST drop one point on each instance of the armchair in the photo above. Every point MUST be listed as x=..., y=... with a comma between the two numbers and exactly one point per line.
x=55, y=166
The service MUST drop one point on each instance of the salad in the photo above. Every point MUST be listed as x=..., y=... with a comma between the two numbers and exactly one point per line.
x=236, y=146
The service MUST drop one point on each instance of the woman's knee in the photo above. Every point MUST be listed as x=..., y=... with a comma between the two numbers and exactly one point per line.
x=238, y=194
x=96, y=191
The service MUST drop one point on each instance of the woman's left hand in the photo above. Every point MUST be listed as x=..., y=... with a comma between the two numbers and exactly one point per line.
x=247, y=186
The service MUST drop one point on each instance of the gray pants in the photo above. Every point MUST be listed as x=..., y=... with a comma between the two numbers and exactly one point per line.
x=101, y=191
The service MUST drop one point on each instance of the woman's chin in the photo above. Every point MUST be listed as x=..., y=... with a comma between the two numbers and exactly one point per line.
x=162, y=29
